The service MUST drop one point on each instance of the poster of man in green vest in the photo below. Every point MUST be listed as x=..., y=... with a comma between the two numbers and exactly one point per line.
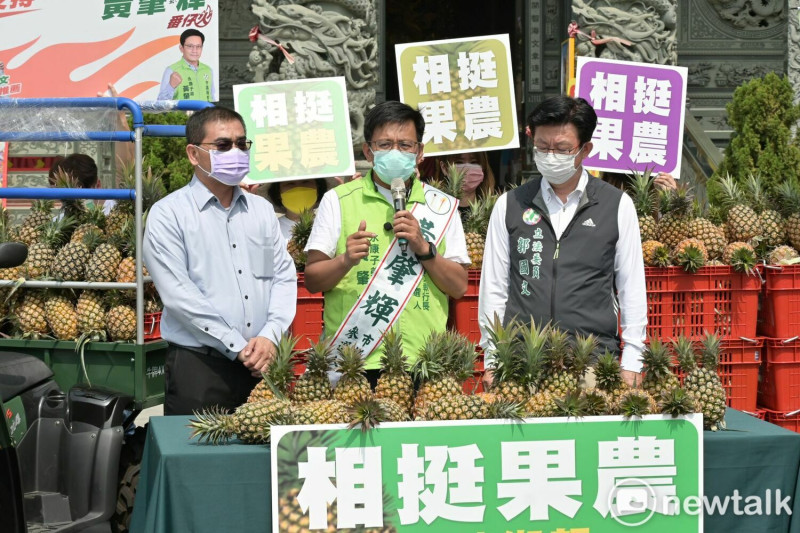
x=188, y=78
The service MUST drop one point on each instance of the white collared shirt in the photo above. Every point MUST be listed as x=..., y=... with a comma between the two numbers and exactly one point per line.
x=224, y=274
x=628, y=268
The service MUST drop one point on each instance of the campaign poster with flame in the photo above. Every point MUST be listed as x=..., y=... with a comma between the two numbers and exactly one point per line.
x=75, y=48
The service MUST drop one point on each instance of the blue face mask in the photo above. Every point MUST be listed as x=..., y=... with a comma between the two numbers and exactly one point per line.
x=393, y=164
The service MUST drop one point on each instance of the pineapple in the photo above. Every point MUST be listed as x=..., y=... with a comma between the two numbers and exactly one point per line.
x=122, y=212
x=703, y=384
x=642, y=192
x=30, y=315
x=370, y=412
x=395, y=382
x=278, y=378
x=314, y=384
x=713, y=237
x=475, y=227
x=432, y=370
x=769, y=220
x=741, y=221
x=673, y=227
x=583, y=348
x=104, y=262
x=656, y=254
x=507, y=366
x=677, y=402
x=608, y=375
x=572, y=405
x=636, y=402
x=41, y=254
x=740, y=256
x=31, y=227
x=540, y=405
x=91, y=312
x=321, y=412
x=597, y=402
x=558, y=378
x=120, y=318
x=61, y=316
x=93, y=219
x=657, y=362
x=250, y=422
x=353, y=386
x=691, y=254
x=783, y=255
x=70, y=261
x=789, y=202
x=300, y=233
x=70, y=207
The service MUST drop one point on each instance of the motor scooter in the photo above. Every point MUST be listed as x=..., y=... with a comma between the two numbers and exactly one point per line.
x=68, y=460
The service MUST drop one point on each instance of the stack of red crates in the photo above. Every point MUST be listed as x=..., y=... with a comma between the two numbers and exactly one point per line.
x=779, y=391
x=718, y=300
x=307, y=323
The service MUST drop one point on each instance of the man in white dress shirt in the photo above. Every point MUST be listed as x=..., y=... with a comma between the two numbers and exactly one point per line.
x=219, y=262
x=565, y=248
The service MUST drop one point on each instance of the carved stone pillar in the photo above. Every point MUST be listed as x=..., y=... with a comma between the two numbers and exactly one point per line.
x=793, y=47
x=331, y=38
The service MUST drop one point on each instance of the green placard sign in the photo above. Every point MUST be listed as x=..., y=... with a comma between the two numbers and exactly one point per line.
x=464, y=89
x=597, y=474
x=299, y=128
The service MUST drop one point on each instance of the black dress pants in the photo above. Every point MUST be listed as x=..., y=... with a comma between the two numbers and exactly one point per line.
x=197, y=378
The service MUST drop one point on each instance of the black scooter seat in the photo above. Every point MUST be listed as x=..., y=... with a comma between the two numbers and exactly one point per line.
x=19, y=372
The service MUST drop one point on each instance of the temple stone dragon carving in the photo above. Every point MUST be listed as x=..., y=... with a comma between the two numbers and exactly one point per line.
x=323, y=43
x=649, y=24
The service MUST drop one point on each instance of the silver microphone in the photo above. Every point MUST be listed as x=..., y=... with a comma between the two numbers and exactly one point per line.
x=399, y=199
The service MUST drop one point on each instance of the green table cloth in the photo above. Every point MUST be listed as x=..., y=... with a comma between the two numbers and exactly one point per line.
x=187, y=486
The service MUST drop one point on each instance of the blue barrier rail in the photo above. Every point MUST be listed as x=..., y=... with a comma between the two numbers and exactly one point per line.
x=37, y=193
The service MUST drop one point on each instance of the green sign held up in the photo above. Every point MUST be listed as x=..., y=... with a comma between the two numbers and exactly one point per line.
x=597, y=474
x=300, y=129
x=464, y=89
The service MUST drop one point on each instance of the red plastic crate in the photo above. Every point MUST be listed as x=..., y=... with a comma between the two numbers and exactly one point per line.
x=464, y=312
x=739, y=362
x=786, y=419
x=152, y=326
x=780, y=379
x=715, y=299
x=780, y=310
x=307, y=323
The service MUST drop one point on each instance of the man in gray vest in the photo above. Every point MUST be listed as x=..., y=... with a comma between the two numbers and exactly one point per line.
x=565, y=248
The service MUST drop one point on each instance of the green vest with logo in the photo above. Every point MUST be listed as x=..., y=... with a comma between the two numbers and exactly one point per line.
x=427, y=308
x=196, y=84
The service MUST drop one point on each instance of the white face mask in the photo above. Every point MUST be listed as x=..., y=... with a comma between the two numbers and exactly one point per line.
x=555, y=168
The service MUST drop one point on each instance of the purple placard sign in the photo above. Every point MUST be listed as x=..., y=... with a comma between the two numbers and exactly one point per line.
x=640, y=111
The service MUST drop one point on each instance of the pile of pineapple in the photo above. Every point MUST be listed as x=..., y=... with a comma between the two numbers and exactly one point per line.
x=77, y=243
x=537, y=372
x=476, y=221
x=742, y=229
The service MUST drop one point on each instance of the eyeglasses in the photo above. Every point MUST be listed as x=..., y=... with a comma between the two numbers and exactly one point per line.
x=193, y=46
x=226, y=144
x=555, y=151
x=384, y=145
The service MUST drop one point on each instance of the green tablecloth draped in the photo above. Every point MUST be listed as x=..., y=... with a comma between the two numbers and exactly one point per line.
x=186, y=486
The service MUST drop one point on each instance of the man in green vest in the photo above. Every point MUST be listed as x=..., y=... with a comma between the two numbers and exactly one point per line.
x=387, y=250
x=188, y=79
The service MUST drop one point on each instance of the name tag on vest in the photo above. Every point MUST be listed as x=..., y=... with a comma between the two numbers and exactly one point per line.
x=397, y=275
